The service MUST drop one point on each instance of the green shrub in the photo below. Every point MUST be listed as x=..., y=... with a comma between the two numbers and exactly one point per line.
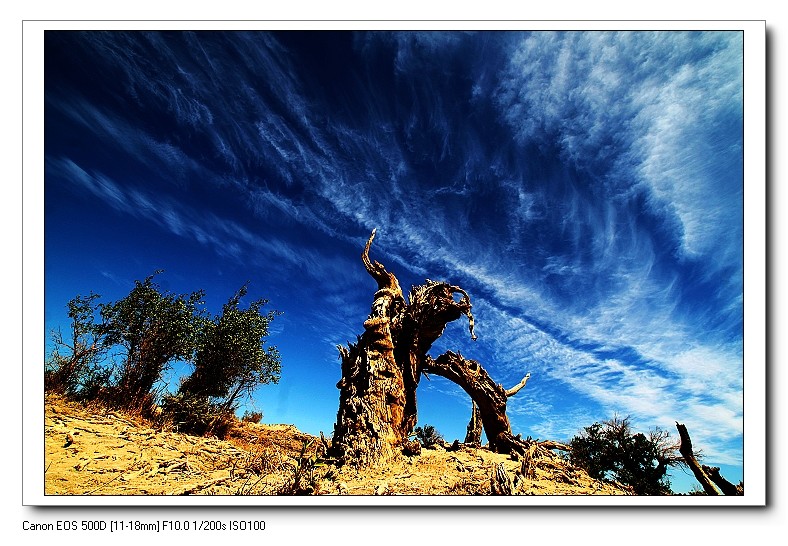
x=252, y=416
x=428, y=436
x=197, y=415
x=612, y=450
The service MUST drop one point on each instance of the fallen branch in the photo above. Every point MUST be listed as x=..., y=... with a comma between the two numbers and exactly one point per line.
x=550, y=444
x=103, y=485
x=727, y=488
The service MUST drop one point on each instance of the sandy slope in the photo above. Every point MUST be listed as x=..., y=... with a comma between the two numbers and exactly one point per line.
x=92, y=451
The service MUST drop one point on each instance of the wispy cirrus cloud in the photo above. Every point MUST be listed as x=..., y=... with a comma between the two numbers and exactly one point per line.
x=584, y=187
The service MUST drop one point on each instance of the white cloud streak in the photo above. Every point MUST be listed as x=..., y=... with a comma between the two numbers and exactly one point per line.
x=625, y=111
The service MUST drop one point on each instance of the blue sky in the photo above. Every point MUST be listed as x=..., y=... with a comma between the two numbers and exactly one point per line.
x=585, y=189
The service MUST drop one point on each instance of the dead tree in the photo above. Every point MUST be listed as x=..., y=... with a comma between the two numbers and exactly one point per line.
x=381, y=371
x=707, y=476
x=689, y=457
x=473, y=435
x=488, y=396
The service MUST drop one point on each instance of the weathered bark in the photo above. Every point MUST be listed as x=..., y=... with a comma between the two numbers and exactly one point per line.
x=490, y=398
x=381, y=371
x=689, y=457
x=369, y=425
x=500, y=481
x=528, y=464
x=473, y=435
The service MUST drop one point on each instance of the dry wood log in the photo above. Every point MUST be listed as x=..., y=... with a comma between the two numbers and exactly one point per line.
x=501, y=482
x=551, y=444
x=528, y=465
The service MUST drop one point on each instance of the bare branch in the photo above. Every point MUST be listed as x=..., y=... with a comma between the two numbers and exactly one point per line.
x=385, y=280
x=465, y=306
x=514, y=390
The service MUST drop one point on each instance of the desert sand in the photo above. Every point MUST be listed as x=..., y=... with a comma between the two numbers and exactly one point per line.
x=90, y=450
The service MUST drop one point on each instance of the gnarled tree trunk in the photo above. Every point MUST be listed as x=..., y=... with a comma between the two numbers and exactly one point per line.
x=490, y=398
x=381, y=371
x=371, y=422
x=473, y=435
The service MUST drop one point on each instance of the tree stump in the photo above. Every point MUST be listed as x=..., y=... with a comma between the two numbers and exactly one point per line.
x=473, y=434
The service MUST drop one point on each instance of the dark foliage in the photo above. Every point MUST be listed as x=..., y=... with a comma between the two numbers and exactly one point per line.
x=232, y=357
x=74, y=367
x=153, y=328
x=197, y=415
x=428, y=436
x=149, y=329
x=252, y=416
x=612, y=450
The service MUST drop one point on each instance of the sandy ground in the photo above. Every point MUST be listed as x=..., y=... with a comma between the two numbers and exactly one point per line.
x=93, y=451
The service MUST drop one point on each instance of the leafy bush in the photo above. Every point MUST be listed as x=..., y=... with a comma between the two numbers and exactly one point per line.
x=232, y=357
x=153, y=328
x=428, y=436
x=94, y=381
x=149, y=329
x=197, y=415
x=252, y=416
x=612, y=450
